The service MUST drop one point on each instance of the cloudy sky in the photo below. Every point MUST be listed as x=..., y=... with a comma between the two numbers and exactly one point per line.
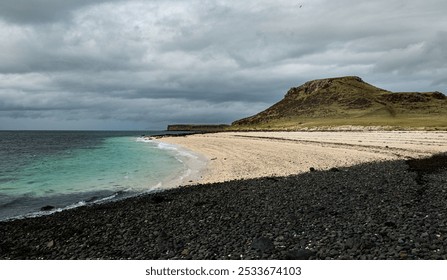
x=133, y=64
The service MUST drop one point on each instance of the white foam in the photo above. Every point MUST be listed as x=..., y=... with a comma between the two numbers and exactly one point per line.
x=179, y=151
x=43, y=213
x=193, y=166
x=144, y=139
x=188, y=154
x=74, y=205
x=166, y=146
x=106, y=198
x=186, y=174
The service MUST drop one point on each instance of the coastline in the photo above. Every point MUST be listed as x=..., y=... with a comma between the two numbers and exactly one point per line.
x=195, y=165
x=187, y=170
x=248, y=155
x=388, y=205
x=379, y=210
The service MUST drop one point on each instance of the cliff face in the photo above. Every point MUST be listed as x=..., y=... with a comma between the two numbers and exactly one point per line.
x=345, y=97
x=197, y=127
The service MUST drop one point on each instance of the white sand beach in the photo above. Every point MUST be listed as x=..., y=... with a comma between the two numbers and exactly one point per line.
x=243, y=155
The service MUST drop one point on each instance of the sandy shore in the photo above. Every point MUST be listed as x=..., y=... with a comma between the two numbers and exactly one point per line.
x=380, y=210
x=383, y=209
x=243, y=155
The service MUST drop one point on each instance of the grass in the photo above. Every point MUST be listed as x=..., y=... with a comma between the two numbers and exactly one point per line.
x=379, y=118
x=348, y=101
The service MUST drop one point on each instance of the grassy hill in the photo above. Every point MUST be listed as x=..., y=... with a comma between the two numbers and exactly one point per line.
x=349, y=101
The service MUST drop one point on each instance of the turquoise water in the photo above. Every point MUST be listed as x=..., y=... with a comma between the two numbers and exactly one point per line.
x=62, y=169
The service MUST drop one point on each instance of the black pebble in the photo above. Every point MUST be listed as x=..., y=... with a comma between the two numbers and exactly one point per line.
x=301, y=254
x=262, y=244
x=47, y=208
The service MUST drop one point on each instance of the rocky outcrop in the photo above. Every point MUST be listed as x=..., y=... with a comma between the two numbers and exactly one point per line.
x=345, y=97
x=197, y=127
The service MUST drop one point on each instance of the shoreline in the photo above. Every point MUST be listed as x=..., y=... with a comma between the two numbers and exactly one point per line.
x=379, y=210
x=193, y=162
x=247, y=155
x=193, y=166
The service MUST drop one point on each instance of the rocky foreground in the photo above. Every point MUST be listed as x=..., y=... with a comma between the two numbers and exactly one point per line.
x=386, y=210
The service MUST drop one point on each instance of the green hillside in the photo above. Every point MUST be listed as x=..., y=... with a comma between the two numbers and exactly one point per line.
x=349, y=101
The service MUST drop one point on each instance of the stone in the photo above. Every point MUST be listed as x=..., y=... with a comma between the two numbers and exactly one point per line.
x=390, y=224
x=50, y=244
x=262, y=244
x=185, y=252
x=91, y=199
x=156, y=199
x=349, y=243
x=47, y=208
x=300, y=254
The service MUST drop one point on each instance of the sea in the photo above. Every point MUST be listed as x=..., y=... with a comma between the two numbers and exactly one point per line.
x=42, y=172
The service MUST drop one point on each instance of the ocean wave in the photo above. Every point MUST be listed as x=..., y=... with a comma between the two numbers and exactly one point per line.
x=35, y=202
x=170, y=147
x=179, y=151
x=166, y=146
x=144, y=139
x=49, y=212
x=192, y=166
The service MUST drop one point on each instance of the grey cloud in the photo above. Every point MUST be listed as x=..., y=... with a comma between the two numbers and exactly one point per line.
x=157, y=62
x=41, y=11
x=146, y=113
x=426, y=55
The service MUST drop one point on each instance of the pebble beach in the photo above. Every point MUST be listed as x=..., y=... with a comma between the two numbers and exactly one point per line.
x=390, y=205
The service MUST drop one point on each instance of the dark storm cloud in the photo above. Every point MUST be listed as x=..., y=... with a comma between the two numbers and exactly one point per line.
x=142, y=63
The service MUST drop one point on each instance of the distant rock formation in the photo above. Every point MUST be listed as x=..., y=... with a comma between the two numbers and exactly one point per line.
x=197, y=127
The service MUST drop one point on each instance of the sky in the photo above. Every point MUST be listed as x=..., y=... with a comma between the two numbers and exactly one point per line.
x=132, y=64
